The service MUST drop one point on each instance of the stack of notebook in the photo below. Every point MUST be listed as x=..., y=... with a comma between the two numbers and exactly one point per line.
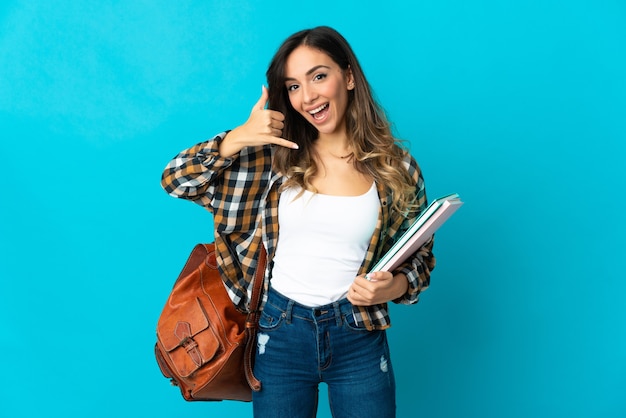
x=419, y=232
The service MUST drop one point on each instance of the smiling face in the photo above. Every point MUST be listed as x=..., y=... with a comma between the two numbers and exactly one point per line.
x=318, y=89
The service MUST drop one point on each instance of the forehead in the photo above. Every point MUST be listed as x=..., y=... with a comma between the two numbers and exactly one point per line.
x=305, y=58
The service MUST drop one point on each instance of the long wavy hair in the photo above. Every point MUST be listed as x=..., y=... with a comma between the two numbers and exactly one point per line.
x=375, y=151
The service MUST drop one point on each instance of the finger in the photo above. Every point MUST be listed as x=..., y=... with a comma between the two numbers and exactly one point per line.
x=260, y=104
x=365, y=281
x=276, y=115
x=357, y=296
x=276, y=140
x=377, y=276
x=353, y=296
x=277, y=125
x=361, y=287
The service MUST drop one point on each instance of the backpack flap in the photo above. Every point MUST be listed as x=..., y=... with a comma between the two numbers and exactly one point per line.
x=187, y=337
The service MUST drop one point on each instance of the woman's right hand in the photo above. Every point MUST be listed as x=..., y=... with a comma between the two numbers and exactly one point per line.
x=264, y=126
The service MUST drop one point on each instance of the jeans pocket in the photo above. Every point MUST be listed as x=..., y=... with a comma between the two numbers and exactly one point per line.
x=350, y=323
x=271, y=318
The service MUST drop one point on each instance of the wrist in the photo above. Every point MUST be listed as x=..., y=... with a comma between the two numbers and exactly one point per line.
x=228, y=145
x=401, y=285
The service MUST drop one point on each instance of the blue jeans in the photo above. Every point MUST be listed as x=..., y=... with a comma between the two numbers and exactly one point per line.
x=298, y=347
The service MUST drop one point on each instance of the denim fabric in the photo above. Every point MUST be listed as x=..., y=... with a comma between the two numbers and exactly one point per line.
x=298, y=347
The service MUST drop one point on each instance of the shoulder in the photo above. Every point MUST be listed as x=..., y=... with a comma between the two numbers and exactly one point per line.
x=411, y=166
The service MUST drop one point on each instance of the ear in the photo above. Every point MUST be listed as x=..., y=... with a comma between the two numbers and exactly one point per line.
x=349, y=78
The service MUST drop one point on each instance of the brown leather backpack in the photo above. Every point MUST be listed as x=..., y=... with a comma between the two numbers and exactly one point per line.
x=204, y=344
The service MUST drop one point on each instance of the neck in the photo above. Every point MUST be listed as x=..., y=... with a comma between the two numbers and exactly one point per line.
x=335, y=145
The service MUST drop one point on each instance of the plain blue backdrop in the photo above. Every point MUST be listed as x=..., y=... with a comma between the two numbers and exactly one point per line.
x=517, y=105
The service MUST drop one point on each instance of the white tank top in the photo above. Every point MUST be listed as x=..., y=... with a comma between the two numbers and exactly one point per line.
x=322, y=240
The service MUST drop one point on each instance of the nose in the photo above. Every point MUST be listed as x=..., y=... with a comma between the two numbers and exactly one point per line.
x=308, y=94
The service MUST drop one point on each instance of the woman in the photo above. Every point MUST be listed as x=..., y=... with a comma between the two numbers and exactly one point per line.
x=320, y=163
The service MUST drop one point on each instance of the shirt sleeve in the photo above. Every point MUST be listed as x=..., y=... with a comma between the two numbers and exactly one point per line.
x=190, y=174
x=417, y=272
x=418, y=267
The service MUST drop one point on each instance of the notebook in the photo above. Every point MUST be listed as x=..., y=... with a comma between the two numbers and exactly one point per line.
x=420, y=231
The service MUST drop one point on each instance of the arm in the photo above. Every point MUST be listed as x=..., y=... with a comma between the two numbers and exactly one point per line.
x=417, y=272
x=418, y=267
x=192, y=171
x=402, y=286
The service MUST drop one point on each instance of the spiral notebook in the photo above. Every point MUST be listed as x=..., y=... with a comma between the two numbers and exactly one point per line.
x=420, y=231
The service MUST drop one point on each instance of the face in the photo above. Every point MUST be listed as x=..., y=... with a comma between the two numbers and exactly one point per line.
x=318, y=89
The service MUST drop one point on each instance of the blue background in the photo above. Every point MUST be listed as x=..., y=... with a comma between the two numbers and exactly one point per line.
x=519, y=106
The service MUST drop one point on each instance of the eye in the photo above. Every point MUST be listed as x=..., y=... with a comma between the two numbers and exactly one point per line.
x=319, y=77
x=292, y=87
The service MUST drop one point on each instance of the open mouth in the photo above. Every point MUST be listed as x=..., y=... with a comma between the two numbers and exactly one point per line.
x=320, y=112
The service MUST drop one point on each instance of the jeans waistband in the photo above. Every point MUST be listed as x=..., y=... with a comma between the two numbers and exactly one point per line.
x=292, y=308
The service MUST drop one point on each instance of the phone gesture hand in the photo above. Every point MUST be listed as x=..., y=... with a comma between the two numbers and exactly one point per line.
x=264, y=126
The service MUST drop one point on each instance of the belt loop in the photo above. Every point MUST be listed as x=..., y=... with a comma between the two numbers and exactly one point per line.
x=337, y=309
x=288, y=311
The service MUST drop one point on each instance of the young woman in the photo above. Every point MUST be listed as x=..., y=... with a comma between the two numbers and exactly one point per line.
x=319, y=180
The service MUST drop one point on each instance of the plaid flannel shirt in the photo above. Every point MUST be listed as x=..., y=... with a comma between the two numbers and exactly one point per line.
x=242, y=194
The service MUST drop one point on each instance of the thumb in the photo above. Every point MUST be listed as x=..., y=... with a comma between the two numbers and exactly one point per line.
x=260, y=105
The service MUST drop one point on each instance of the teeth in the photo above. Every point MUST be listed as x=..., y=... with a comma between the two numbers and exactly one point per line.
x=314, y=111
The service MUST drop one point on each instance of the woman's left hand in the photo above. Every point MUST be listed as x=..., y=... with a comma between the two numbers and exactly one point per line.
x=381, y=288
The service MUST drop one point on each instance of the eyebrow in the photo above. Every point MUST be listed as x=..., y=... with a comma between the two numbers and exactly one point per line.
x=311, y=71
